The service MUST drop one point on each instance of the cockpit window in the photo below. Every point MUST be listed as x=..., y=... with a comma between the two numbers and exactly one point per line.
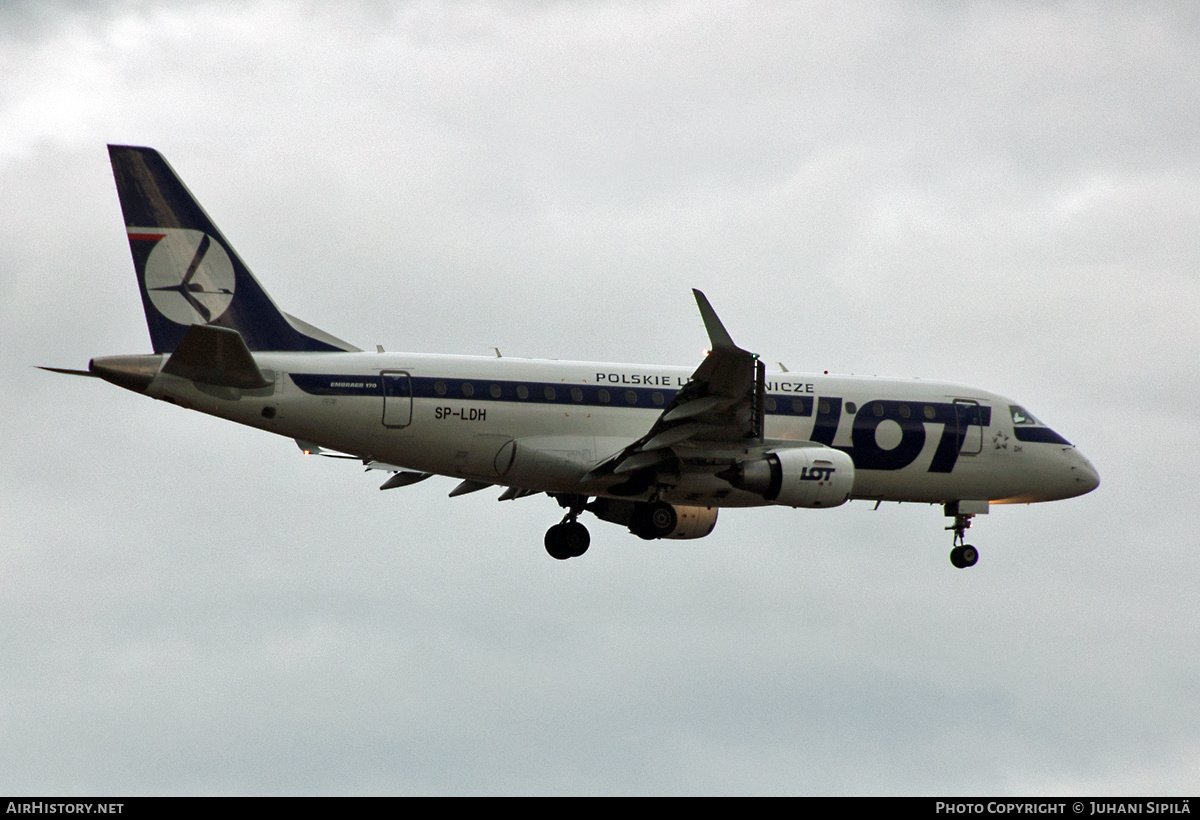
x=1021, y=416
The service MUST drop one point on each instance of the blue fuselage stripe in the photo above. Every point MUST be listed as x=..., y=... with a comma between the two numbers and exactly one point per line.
x=586, y=395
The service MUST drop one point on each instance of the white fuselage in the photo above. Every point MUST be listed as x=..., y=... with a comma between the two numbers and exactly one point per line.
x=542, y=425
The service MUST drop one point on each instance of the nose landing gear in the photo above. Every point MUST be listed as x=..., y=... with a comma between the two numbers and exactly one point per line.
x=963, y=555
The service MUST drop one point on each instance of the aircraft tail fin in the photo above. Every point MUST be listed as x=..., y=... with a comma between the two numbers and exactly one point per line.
x=188, y=273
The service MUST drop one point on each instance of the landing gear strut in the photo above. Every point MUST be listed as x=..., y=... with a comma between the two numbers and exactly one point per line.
x=568, y=538
x=963, y=555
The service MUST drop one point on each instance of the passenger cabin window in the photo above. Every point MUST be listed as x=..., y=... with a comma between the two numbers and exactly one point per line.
x=439, y=388
x=522, y=391
x=603, y=394
x=631, y=397
x=494, y=390
x=851, y=407
x=576, y=394
x=549, y=393
x=468, y=389
x=770, y=405
x=657, y=398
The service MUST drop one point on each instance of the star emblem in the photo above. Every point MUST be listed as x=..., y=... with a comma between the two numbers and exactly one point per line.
x=1000, y=440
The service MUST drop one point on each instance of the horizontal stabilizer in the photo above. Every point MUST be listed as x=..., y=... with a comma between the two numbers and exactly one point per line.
x=217, y=356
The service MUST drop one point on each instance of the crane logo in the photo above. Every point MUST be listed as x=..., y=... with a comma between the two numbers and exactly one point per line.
x=189, y=276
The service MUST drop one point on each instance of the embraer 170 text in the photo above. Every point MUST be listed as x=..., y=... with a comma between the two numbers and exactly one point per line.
x=656, y=449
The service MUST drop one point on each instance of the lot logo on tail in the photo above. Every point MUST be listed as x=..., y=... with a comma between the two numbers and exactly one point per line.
x=189, y=276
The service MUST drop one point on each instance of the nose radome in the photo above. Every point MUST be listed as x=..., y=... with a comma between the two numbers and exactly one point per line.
x=1086, y=477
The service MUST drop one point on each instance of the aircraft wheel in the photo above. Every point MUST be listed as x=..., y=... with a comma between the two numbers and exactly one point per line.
x=569, y=539
x=556, y=544
x=574, y=538
x=964, y=556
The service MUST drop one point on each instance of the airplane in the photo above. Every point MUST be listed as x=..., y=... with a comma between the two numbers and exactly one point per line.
x=657, y=449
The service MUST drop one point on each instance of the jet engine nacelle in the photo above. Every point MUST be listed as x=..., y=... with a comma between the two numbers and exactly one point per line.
x=693, y=522
x=657, y=519
x=536, y=462
x=797, y=477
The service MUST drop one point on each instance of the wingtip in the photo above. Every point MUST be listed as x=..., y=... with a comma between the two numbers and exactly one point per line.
x=702, y=302
x=717, y=334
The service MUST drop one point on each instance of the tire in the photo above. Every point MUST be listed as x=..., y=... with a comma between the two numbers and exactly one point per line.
x=964, y=556
x=556, y=544
x=574, y=538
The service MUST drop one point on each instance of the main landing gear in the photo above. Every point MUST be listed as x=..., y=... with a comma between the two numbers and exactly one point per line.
x=656, y=519
x=963, y=555
x=568, y=538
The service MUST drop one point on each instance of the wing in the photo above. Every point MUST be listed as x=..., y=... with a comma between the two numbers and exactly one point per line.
x=721, y=406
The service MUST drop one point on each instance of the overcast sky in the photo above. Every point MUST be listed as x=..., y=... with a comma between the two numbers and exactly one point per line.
x=1005, y=195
